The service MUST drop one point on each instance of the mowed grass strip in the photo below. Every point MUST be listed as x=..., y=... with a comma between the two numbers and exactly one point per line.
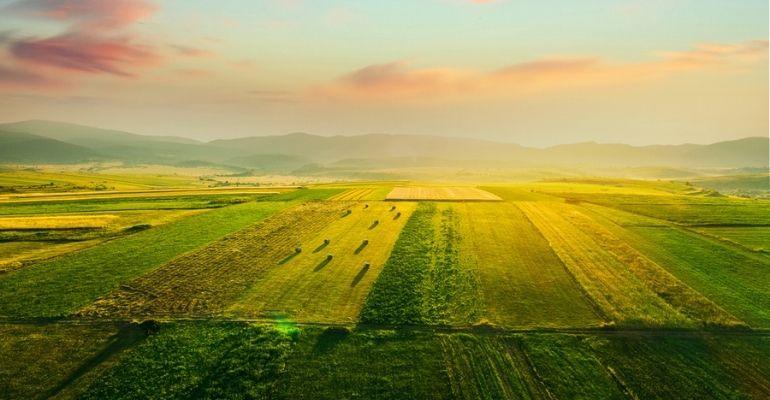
x=728, y=275
x=200, y=361
x=424, y=281
x=622, y=296
x=208, y=280
x=487, y=367
x=753, y=238
x=522, y=282
x=310, y=287
x=614, y=239
x=736, y=279
x=63, y=285
x=440, y=193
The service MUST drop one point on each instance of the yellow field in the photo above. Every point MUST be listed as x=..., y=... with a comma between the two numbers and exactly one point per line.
x=364, y=193
x=207, y=280
x=308, y=287
x=58, y=222
x=522, y=282
x=621, y=295
x=440, y=193
x=128, y=194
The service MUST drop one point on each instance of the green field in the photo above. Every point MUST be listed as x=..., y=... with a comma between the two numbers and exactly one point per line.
x=592, y=289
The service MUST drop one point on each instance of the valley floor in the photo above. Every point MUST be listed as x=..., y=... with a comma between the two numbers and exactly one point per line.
x=554, y=290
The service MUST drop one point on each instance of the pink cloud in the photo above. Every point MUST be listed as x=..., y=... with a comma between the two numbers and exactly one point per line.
x=87, y=14
x=395, y=81
x=23, y=78
x=80, y=53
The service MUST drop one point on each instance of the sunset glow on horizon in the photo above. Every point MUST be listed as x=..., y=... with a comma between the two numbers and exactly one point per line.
x=535, y=73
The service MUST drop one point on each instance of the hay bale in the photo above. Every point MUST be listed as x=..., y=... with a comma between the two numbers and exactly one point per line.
x=298, y=249
x=365, y=241
x=327, y=241
x=329, y=257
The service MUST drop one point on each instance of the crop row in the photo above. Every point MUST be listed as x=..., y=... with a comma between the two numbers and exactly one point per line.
x=207, y=280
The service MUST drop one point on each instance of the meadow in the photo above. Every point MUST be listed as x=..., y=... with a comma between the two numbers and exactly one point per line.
x=612, y=289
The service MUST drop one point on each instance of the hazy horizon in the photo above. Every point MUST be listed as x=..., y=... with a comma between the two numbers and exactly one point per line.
x=279, y=134
x=517, y=72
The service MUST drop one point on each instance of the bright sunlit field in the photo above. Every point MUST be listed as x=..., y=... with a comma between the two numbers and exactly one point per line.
x=634, y=289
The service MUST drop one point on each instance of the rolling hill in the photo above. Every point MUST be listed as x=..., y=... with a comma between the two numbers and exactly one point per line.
x=292, y=151
x=25, y=148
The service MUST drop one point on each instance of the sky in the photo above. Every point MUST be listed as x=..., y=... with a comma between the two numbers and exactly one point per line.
x=537, y=73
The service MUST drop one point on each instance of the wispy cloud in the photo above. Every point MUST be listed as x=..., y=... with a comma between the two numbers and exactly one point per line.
x=190, y=51
x=396, y=81
x=78, y=52
x=85, y=14
x=17, y=78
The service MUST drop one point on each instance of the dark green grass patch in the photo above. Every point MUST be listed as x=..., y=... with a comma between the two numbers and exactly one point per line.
x=668, y=367
x=423, y=282
x=335, y=364
x=568, y=368
x=396, y=297
x=198, y=360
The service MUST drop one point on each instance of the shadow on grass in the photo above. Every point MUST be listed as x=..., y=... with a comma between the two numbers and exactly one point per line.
x=128, y=336
x=322, y=264
x=330, y=339
x=287, y=258
x=359, y=276
x=321, y=247
x=361, y=247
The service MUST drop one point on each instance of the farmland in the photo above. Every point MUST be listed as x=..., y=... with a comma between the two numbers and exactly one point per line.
x=440, y=193
x=551, y=290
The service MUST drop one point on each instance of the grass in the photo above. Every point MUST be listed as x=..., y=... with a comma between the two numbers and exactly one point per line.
x=621, y=295
x=452, y=299
x=195, y=360
x=65, y=284
x=692, y=210
x=372, y=193
x=239, y=360
x=42, y=180
x=126, y=204
x=737, y=280
x=482, y=367
x=208, y=280
x=670, y=367
x=330, y=364
x=308, y=287
x=423, y=282
x=440, y=193
x=568, y=368
x=753, y=238
x=38, y=360
x=522, y=282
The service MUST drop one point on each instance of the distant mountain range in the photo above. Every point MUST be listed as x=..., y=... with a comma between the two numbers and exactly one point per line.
x=55, y=142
